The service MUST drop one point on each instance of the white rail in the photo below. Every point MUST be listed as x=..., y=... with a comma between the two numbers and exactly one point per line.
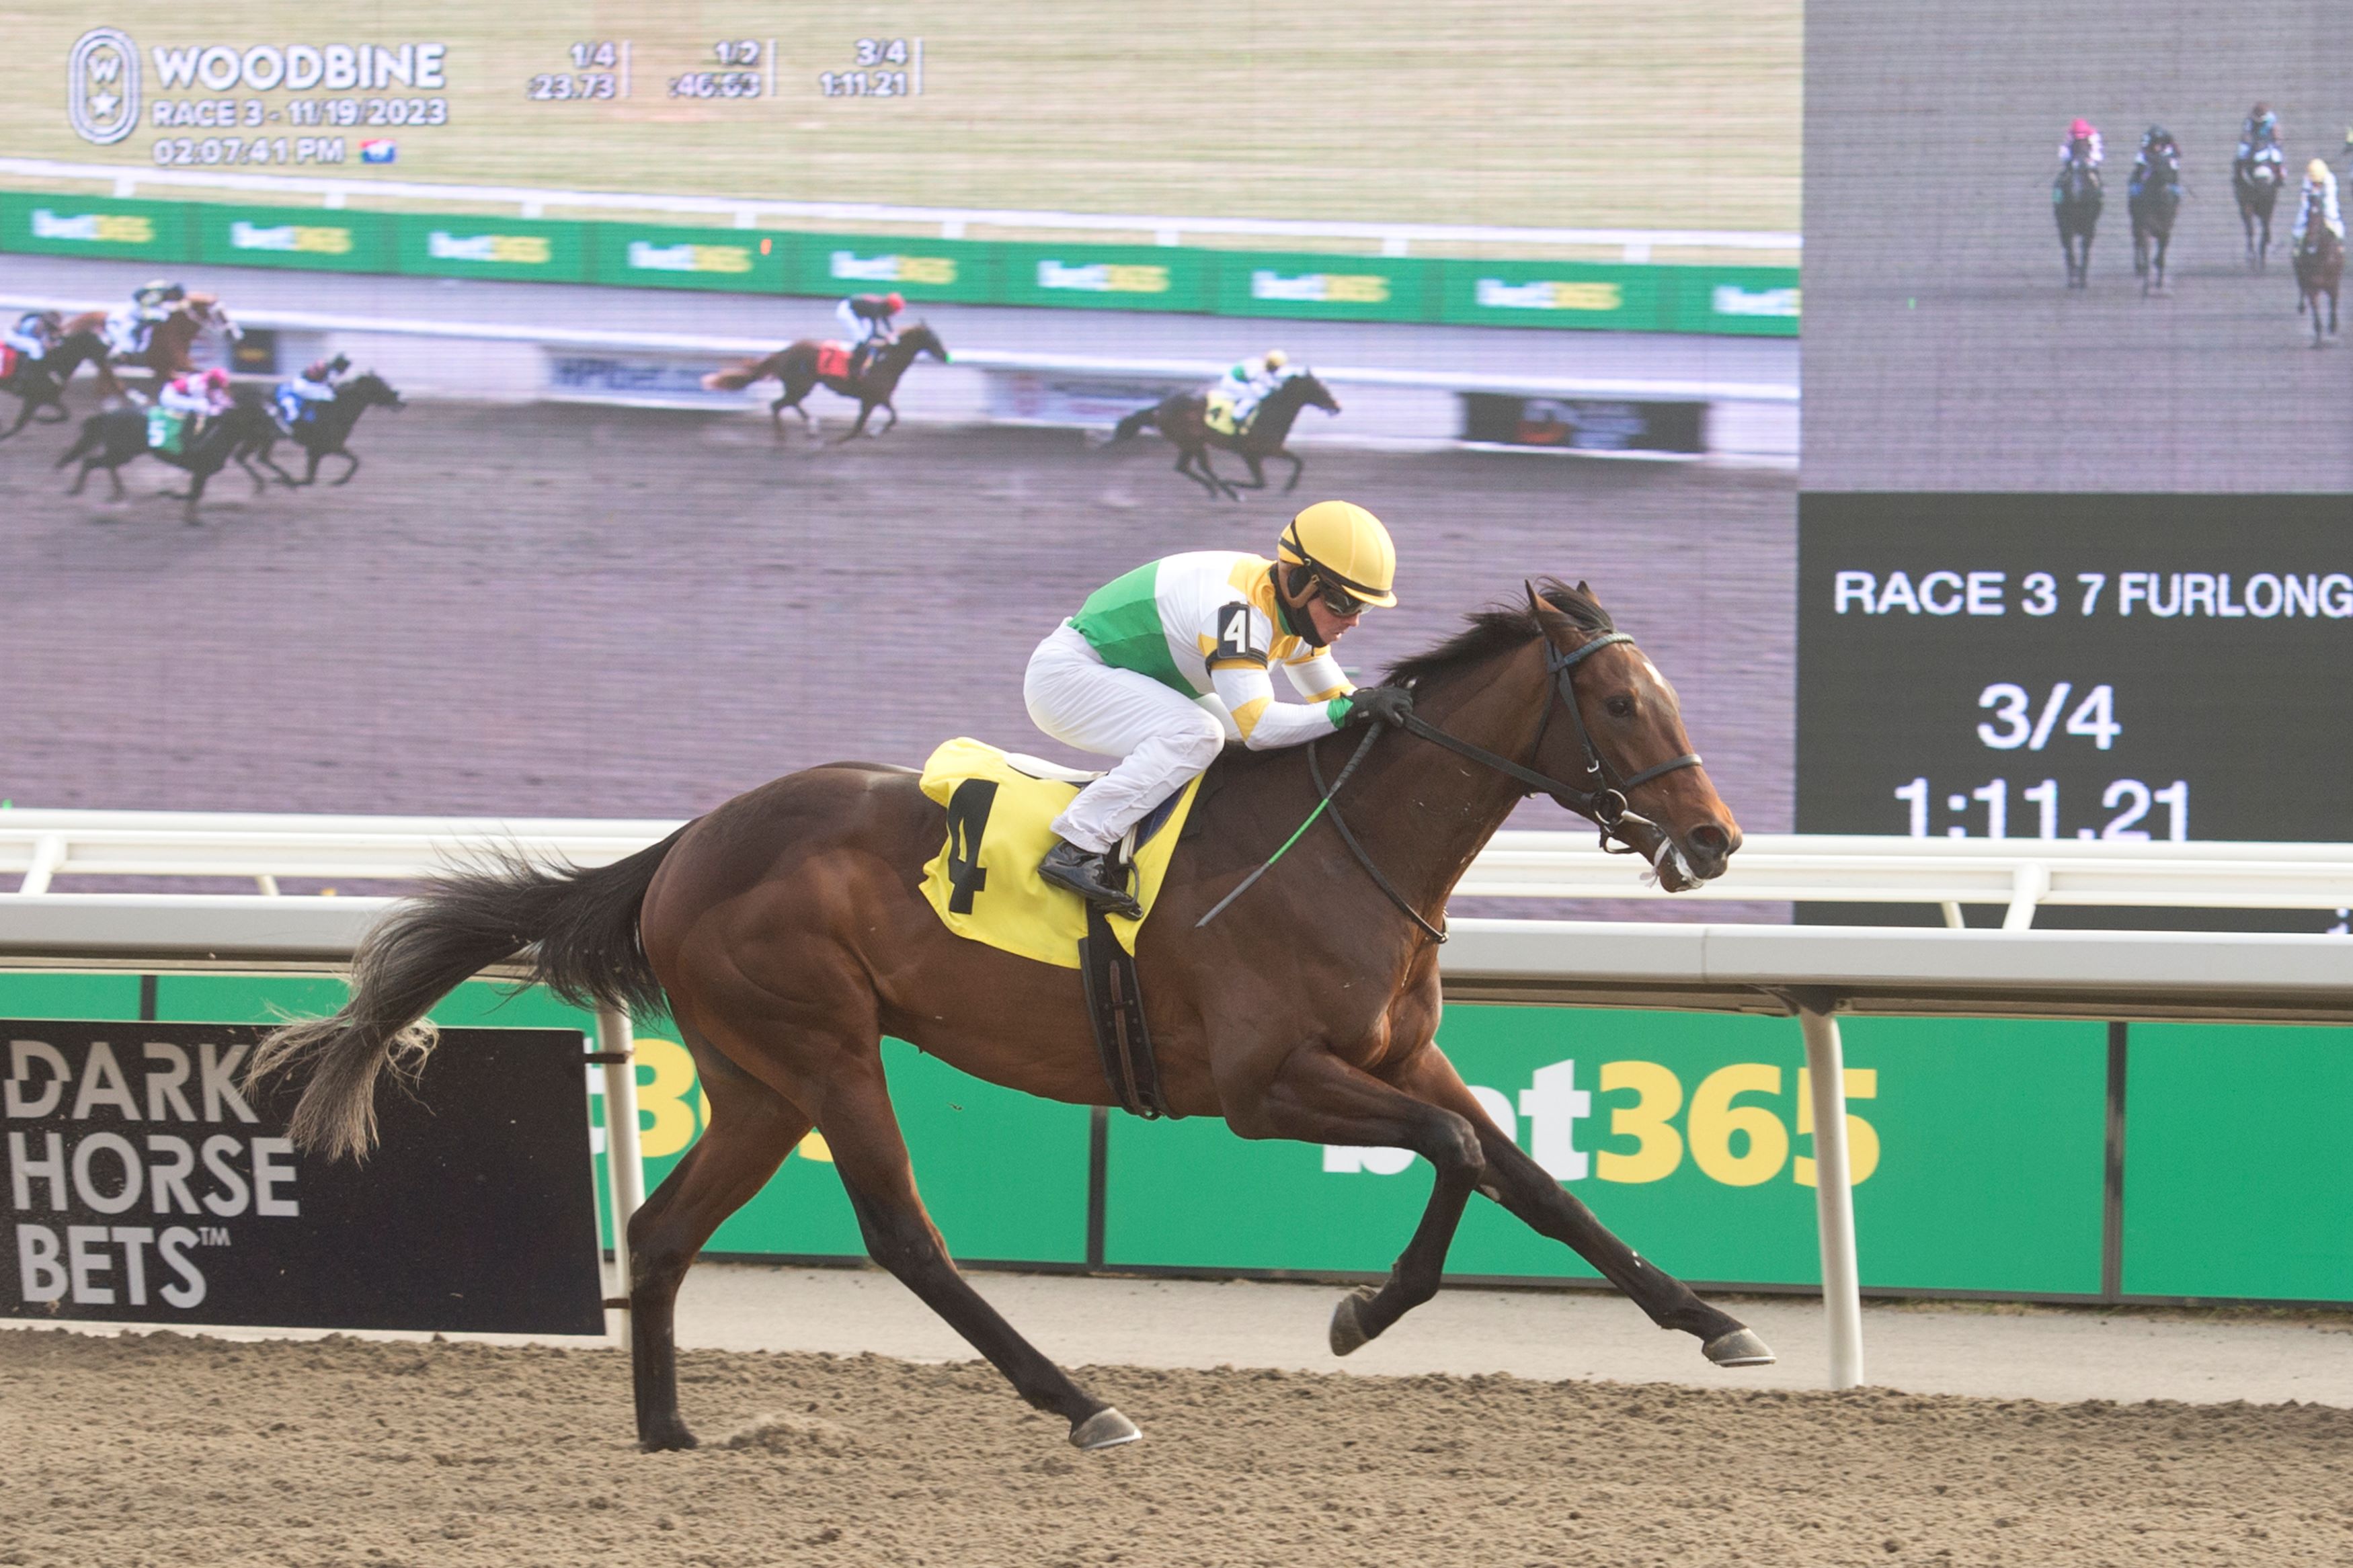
x=746, y=212
x=2020, y=876
x=981, y=359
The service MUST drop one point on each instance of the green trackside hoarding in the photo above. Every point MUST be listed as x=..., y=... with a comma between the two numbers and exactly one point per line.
x=921, y=269
x=1572, y=294
x=738, y=260
x=1107, y=277
x=340, y=241
x=1762, y=301
x=1978, y=1146
x=1325, y=287
x=86, y=225
x=521, y=249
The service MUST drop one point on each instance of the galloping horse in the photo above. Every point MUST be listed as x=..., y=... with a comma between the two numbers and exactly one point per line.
x=2154, y=202
x=797, y=366
x=2075, y=198
x=787, y=933
x=1183, y=417
x=41, y=383
x=114, y=437
x=2319, y=268
x=166, y=354
x=321, y=436
x=2256, y=185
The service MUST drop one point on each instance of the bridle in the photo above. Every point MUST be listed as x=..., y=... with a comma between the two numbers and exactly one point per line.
x=1600, y=797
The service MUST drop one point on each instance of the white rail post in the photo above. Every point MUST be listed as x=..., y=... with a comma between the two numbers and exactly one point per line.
x=48, y=853
x=625, y=1174
x=1833, y=1192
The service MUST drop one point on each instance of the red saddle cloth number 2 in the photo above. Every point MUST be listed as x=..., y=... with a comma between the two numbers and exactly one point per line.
x=833, y=359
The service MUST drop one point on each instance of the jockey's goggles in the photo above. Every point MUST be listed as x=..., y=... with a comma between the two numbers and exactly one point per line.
x=1336, y=599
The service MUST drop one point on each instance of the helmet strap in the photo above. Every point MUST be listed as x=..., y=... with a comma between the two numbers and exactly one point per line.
x=1296, y=583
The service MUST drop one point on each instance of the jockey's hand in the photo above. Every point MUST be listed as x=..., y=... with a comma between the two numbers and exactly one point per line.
x=1384, y=704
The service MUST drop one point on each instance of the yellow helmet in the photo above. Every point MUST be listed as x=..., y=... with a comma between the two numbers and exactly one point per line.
x=2317, y=172
x=1276, y=359
x=1346, y=545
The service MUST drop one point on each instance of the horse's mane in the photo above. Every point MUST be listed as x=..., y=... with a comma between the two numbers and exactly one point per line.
x=1498, y=629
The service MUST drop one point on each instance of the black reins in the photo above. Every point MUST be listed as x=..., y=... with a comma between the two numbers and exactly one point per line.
x=1604, y=802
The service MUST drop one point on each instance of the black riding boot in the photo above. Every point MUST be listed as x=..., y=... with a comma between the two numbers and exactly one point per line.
x=1089, y=876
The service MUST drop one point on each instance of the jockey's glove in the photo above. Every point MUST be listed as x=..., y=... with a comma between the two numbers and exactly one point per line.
x=1385, y=704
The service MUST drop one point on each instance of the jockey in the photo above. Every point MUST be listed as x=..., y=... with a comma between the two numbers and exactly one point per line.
x=34, y=334
x=196, y=396
x=150, y=303
x=2261, y=129
x=1164, y=666
x=315, y=384
x=2320, y=188
x=2082, y=145
x=1248, y=381
x=2159, y=153
x=867, y=319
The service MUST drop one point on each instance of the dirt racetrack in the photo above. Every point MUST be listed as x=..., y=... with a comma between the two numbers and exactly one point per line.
x=574, y=611
x=166, y=1450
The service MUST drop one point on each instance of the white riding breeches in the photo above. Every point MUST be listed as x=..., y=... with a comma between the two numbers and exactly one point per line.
x=1163, y=738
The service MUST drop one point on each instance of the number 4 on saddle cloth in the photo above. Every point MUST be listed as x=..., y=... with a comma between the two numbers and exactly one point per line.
x=983, y=883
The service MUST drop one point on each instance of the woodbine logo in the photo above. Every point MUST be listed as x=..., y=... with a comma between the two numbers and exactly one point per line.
x=104, y=77
x=102, y=85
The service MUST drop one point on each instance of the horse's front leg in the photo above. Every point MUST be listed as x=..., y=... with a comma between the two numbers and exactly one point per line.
x=1297, y=468
x=1318, y=1098
x=1257, y=466
x=865, y=411
x=893, y=410
x=1515, y=1181
x=350, y=458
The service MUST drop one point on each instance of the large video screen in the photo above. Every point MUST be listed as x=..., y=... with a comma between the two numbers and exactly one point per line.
x=2075, y=549
x=1535, y=287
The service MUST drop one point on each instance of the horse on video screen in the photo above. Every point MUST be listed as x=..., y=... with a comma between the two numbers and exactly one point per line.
x=321, y=436
x=1183, y=417
x=169, y=345
x=2319, y=268
x=2075, y=198
x=2256, y=185
x=787, y=931
x=802, y=367
x=113, y=436
x=2154, y=203
x=40, y=384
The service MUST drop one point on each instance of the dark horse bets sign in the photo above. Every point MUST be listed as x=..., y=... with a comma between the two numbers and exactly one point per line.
x=145, y=1184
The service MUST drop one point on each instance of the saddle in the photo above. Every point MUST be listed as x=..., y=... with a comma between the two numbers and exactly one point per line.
x=10, y=358
x=983, y=885
x=833, y=360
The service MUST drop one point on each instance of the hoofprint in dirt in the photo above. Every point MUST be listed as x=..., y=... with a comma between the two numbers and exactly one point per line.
x=165, y=1449
x=543, y=611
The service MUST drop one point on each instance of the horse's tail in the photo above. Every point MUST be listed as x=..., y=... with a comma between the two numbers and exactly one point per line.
x=736, y=377
x=580, y=929
x=1142, y=419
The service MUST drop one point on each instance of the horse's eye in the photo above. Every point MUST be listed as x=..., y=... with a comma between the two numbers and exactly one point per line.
x=1620, y=707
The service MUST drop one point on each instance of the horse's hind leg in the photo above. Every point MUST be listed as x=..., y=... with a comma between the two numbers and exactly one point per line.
x=1517, y=1182
x=1317, y=1098
x=868, y=1151
x=751, y=1129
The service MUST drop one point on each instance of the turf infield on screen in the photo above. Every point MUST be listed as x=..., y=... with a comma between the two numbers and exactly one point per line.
x=1678, y=114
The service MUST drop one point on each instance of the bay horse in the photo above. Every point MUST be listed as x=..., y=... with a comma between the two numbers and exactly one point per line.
x=2319, y=268
x=796, y=366
x=168, y=344
x=2256, y=185
x=40, y=383
x=1183, y=417
x=113, y=436
x=2075, y=198
x=2154, y=202
x=786, y=932
x=321, y=436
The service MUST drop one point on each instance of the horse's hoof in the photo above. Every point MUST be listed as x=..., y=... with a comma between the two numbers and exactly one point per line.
x=1741, y=1347
x=1348, y=1331
x=1106, y=1428
x=669, y=1437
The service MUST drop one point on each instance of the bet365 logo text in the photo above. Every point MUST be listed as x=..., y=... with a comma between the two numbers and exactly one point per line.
x=102, y=85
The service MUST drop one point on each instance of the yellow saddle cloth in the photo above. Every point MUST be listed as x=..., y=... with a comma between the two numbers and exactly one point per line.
x=1219, y=414
x=984, y=882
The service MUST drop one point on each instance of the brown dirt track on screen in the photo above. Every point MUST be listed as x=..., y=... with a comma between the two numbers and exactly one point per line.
x=171, y=1450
